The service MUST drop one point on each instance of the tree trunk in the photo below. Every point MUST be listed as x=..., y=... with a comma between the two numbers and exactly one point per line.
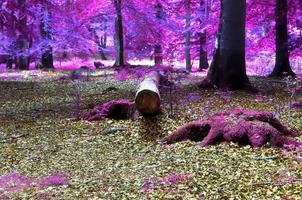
x=158, y=51
x=118, y=37
x=22, y=58
x=9, y=62
x=103, y=44
x=188, y=35
x=203, y=56
x=282, y=66
x=147, y=98
x=158, y=59
x=21, y=43
x=228, y=70
x=45, y=30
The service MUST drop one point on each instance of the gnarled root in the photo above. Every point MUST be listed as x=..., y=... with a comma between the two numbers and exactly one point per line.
x=116, y=109
x=237, y=125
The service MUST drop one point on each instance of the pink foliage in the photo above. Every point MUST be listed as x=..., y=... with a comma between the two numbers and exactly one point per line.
x=55, y=179
x=14, y=182
x=168, y=180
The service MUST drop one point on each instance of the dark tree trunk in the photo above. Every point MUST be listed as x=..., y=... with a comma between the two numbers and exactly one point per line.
x=100, y=45
x=158, y=51
x=45, y=30
x=103, y=41
x=188, y=36
x=203, y=56
x=282, y=66
x=22, y=58
x=228, y=70
x=118, y=37
x=21, y=43
x=158, y=59
x=9, y=62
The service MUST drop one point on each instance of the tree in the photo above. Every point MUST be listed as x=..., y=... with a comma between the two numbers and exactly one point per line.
x=118, y=37
x=158, y=51
x=203, y=56
x=282, y=66
x=45, y=31
x=228, y=68
x=22, y=61
x=188, y=35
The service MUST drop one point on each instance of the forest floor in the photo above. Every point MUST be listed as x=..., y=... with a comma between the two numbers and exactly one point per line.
x=47, y=153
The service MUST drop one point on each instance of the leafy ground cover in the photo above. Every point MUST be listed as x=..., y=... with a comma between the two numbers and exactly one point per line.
x=46, y=152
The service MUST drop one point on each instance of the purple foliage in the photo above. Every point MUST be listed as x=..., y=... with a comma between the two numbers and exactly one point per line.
x=13, y=182
x=168, y=180
x=191, y=97
x=55, y=179
x=122, y=75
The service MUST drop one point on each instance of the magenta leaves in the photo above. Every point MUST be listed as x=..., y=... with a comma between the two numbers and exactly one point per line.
x=14, y=182
x=169, y=180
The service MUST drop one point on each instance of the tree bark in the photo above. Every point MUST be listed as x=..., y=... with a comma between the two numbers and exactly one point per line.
x=188, y=35
x=203, y=56
x=228, y=70
x=118, y=37
x=9, y=62
x=103, y=44
x=147, y=98
x=45, y=31
x=21, y=43
x=22, y=58
x=282, y=65
x=158, y=57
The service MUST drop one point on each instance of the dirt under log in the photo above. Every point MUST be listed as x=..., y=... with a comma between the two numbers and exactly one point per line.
x=244, y=126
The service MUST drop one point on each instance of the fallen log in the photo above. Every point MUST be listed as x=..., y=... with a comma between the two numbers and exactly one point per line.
x=147, y=99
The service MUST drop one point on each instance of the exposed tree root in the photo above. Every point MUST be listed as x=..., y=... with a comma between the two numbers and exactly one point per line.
x=237, y=125
x=116, y=109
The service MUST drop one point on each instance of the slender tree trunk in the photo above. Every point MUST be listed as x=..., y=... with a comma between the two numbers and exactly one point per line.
x=118, y=37
x=282, y=66
x=100, y=46
x=103, y=44
x=9, y=62
x=203, y=55
x=228, y=70
x=158, y=59
x=21, y=43
x=158, y=51
x=45, y=31
x=22, y=58
x=188, y=35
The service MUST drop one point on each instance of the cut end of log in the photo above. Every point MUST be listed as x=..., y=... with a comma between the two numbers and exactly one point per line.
x=147, y=102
